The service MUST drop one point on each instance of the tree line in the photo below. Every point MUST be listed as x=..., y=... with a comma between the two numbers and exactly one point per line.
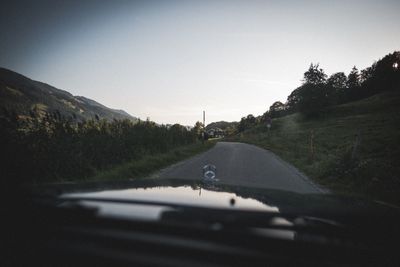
x=319, y=91
x=54, y=148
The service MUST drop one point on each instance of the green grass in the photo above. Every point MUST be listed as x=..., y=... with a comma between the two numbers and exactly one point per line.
x=149, y=164
x=373, y=171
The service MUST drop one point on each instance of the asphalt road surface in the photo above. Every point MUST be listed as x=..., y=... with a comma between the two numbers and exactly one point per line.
x=246, y=165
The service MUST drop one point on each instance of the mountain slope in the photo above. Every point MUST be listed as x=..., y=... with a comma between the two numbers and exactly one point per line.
x=23, y=96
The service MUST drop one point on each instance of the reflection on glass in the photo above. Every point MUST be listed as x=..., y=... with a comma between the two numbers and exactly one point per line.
x=183, y=195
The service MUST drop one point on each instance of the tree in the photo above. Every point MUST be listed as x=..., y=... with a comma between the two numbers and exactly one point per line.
x=337, y=80
x=353, y=85
x=314, y=75
x=230, y=130
x=353, y=80
x=277, y=109
x=336, y=87
x=311, y=99
x=265, y=117
x=312, y=96
x=198, y=128
x=384, y=75
x=246, y=123
x=367, y=73
x=251, y=119
x=292, y=103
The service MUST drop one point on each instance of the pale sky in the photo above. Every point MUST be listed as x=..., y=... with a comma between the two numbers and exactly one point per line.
x=170, y=60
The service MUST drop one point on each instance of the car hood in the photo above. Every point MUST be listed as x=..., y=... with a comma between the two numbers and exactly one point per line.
x=150, y=198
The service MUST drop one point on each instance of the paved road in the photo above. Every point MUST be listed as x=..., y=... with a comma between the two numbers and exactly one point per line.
x=243, y=164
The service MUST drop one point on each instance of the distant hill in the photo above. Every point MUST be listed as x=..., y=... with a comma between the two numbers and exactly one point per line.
x=223, y=125
x=23, y=95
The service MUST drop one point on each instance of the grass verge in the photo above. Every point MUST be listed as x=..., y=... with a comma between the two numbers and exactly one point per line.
x=149, y=164
x=356, y=146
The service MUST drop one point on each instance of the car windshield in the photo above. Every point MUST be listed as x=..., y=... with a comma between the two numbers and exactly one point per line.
x=256, y=105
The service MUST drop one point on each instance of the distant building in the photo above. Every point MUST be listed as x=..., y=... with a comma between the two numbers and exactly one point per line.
x=215, y=132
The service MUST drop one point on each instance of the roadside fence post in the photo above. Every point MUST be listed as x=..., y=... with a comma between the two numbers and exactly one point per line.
x=312, y=149
x=355, y=146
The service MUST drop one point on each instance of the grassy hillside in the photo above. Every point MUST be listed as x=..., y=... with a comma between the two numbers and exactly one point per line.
x=356, y=146
x=23, y=96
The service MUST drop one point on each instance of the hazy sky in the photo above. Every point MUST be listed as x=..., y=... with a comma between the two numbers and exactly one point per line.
x=169, y=60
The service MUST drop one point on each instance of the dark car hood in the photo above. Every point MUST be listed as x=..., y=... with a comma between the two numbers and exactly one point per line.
x=163, y=193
